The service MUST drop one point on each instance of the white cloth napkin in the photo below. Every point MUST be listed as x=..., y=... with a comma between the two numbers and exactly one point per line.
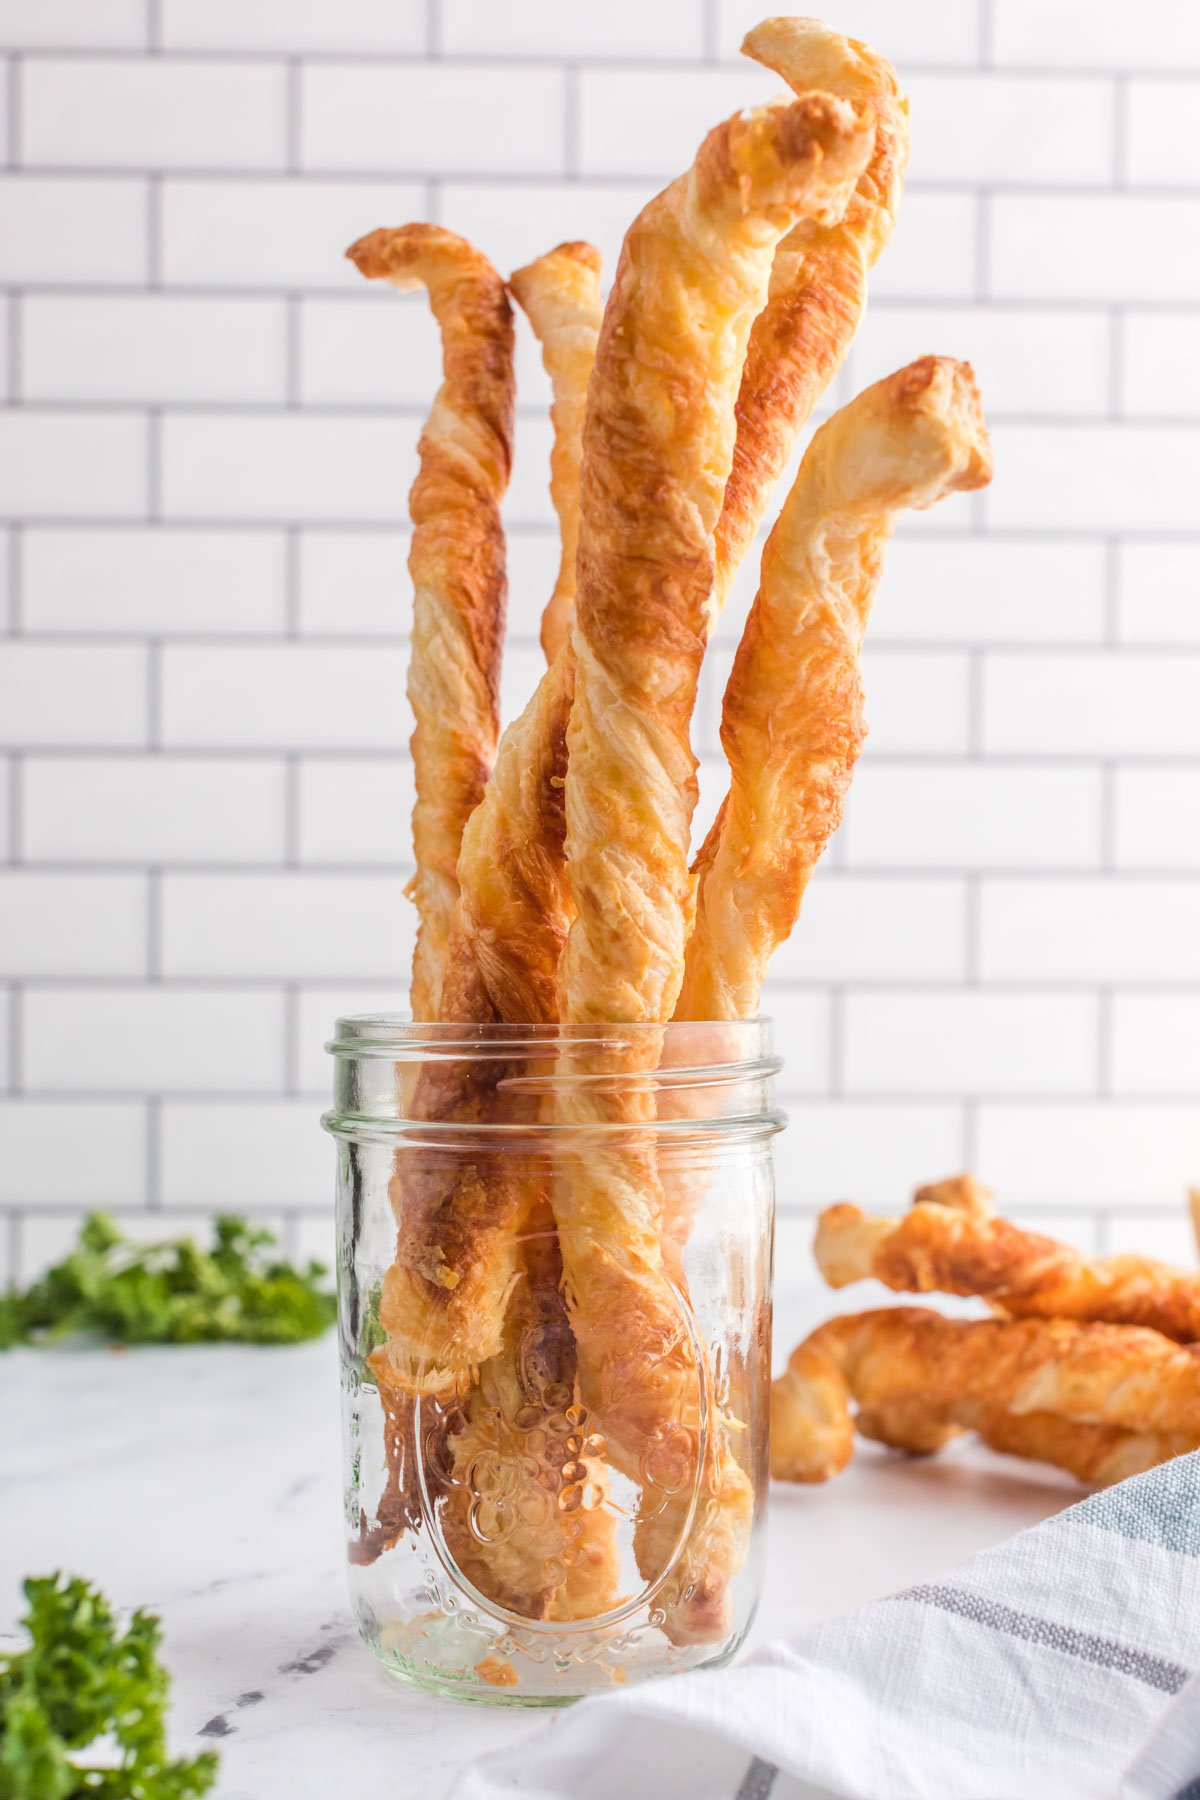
x=1058, y=1666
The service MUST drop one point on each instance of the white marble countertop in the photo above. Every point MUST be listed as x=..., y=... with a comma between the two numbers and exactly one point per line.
x=204, y=1483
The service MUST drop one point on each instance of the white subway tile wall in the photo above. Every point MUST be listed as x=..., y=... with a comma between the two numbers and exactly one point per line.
x=209, y=430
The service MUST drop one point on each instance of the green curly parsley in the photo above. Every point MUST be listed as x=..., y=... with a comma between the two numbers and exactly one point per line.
x=80, y=1680
x=171, y=1293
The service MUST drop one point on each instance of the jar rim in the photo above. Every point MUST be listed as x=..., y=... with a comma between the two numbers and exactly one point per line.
x=401, y=1039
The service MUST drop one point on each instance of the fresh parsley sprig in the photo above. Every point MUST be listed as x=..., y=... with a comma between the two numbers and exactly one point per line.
x=79, y=1680
x=171, y=1293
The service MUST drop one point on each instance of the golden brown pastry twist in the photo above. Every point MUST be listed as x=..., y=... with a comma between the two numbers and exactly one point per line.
x=791, y=722
x=560, y=294
x=938, y=1249
x=456, y=561
x=918, y=1377
x=445, y=1299
x=658, y=441
x=819, y=279
x=657, y=449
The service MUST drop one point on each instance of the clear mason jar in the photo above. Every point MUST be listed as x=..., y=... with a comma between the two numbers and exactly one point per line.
x=554, y=1276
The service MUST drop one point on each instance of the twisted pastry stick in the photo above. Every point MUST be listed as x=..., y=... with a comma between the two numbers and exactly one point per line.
x=560, y=293
x=791, y=721
x=445, y=1299
x=819, y=278
x=1099, y=1454
x=456, y=561
x=1097, y=1399
x=657, y=448
x=936, y=1249
x=514, y=909
x=658, y=443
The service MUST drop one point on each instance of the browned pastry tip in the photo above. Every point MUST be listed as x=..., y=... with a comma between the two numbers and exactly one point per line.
x=819, y=278
x=560, y=295
x=456, y=561
x=918, y=1377
x=963, y=1193
x=791, y=721
x=934, y=1248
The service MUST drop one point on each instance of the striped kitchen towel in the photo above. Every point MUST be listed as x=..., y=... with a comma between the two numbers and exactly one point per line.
x=1059, y=1666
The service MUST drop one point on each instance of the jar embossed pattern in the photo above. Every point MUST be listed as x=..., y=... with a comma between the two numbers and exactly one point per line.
x=554, y=1267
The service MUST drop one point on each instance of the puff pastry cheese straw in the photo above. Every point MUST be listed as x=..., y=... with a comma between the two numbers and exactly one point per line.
x=657, y=448
x=1052, y=1386
x=937, y=1249
x=456, y=561
x=792, y=717
x=560, y=294
x=819, y=278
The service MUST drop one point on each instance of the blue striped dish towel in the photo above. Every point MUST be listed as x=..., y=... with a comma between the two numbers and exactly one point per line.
x=1060, y=1665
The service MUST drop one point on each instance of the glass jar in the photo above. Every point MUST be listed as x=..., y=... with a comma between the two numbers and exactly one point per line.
x=554, y=1275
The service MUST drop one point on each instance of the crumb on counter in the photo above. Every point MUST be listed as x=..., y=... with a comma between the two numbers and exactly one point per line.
x=496, y=1672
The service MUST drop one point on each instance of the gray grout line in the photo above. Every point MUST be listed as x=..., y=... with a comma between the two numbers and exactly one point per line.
x=970, y=1134
x=16, y=597
x=433, y=29
x=1112, y=596
x=987, y=34
x=887, y=1099
x=15, y=819
x=154, y=708
x=13, y=1246
x=154, y=435
x=712, y=30
x=858, y=871
x=571, y=121
x=293, y=352
x=1104, y=1044
x=637, y=183
x=13, y=349
x=1099, y=419
x=153, y=1152
x=1116, y=367
x=983, y=249
x=671, y=63
x=13, y=97
x=837, y=1042
x=778, y=988
x=154, y=233
x=291, y=813
x=291, y=1041
x=1120, y=131
x=291, y=585
x=15, y=1037
x=976, y=701
x=294, y=119
x=252, y=289
x=972, y=930
x=1108, y=819
x=154, y=26
x=154, y=968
